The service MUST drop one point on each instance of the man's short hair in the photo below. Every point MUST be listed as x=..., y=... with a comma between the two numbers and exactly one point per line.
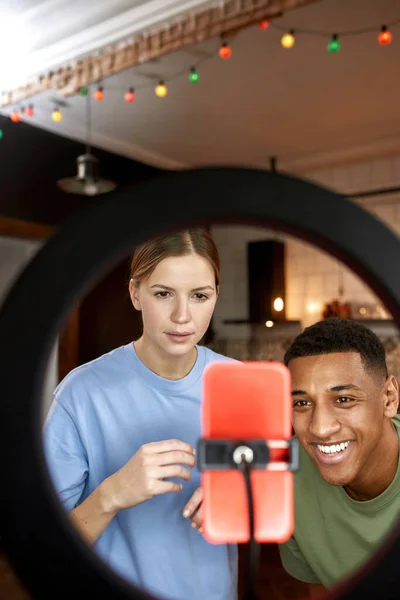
x=340, y=335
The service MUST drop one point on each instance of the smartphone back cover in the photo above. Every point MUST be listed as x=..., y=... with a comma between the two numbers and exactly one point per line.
x=250, y=400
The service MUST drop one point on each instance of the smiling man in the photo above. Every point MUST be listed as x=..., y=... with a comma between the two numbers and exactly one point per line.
x=347, y=491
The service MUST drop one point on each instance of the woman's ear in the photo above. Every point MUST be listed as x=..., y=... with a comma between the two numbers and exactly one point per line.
x=134, y=294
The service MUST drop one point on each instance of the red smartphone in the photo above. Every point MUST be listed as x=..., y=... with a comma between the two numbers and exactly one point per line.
x=248, y=401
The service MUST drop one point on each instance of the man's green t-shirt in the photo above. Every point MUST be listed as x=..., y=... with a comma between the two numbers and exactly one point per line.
x=334, y=534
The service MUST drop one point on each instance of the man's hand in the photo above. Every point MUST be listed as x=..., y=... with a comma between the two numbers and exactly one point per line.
x=193, y=510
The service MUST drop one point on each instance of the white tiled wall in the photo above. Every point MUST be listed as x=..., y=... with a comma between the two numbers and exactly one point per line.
x=312, y=276
x=232, y=245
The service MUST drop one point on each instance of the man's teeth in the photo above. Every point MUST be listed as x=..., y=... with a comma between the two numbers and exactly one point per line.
x=333, y=449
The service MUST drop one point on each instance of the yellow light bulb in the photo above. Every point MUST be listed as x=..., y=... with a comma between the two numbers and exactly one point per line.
x=161, y=90
x=288, y=40
x=56, y=115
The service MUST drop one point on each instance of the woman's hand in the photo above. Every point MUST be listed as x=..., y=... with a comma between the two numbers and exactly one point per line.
x=193, y=510
x=143, y=476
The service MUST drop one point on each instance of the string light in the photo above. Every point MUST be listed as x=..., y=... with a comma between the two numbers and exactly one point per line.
x=130, y=96
x=334, y=44
x=194, y=77
x=161, y=90
x=56, y=115
x=385, y=37
x=15, y=116
x=28, y=110
x=99, y=94
x=288, y=39
x=1, y=134
x=225, y=51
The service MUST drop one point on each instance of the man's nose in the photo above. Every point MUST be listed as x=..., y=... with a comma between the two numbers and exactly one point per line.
x=324, y=423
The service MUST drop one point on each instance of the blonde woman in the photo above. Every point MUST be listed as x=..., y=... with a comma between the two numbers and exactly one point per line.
x=121, y=434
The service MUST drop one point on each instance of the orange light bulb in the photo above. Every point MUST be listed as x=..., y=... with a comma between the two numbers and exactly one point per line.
x=98, y=94
x=385, y=37
x=15, y=117
x=225, y=51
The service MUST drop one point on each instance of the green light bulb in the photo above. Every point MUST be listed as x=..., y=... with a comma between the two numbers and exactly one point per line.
x=334, y=45
x=1, y=133
x=84, y=91
x=194, y=77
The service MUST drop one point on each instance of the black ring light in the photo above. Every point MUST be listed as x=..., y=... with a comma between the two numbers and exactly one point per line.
x=48, y=554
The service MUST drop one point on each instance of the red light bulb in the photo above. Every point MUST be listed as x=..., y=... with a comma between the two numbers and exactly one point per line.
x=225, y=51
x=385, y=37
x=130, y=96
x=263, y=25
x=28, y=111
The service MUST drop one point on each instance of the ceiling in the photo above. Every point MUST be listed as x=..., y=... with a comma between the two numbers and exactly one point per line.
x=307, y=107
x=42, y=35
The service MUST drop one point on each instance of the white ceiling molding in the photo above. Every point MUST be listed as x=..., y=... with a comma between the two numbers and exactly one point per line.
x=111, y=31
x=77, y=40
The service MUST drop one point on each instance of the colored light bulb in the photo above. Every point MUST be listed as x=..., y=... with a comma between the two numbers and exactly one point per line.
x=385, y=37
x=288, y=39
x=194, y=77
x=263, y=25
x=84, y=91
x=28, y=111
x=334, y=44
x=130, y=96
x=15, y=117
x=56, y=115
x=225, y=51
x=161, y=90
x=99, y=94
